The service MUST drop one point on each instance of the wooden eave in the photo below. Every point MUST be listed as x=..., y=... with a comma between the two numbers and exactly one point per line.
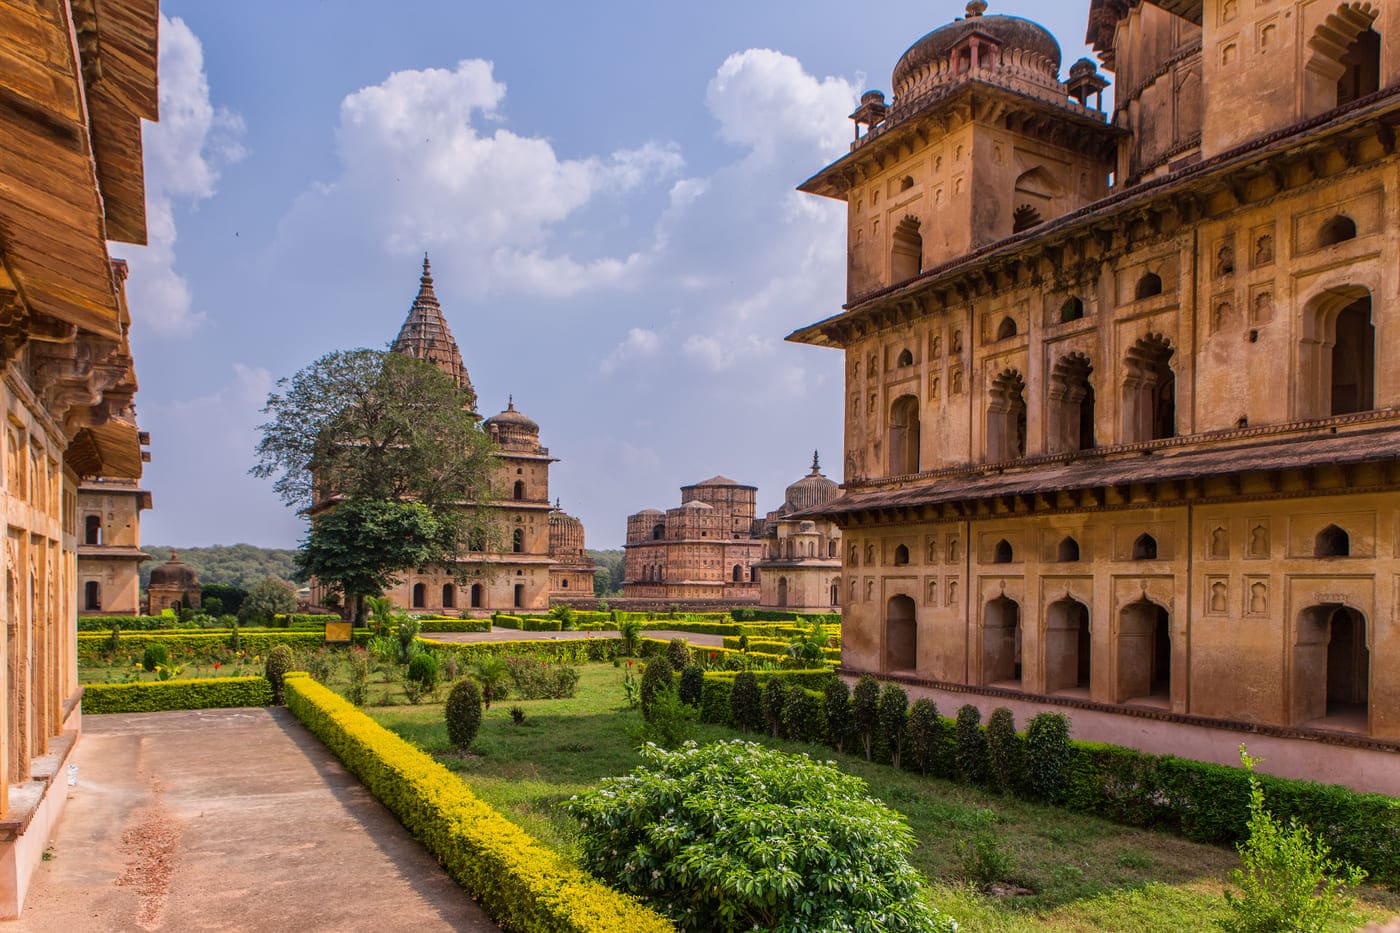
x=70, y=144
x=1259, y=169
x=110, y=449
x=1104, y=16
x=936, y=118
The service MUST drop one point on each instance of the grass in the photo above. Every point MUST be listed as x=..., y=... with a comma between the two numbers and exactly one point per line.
x=1086, y=874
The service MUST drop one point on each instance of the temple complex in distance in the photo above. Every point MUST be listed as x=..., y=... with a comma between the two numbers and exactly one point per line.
x=801, y=565
x=546, y=555
x=1122, y=418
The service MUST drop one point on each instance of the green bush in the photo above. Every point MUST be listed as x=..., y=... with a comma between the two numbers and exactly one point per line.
x=735, y=836
x=774, y=699
x=865, y=713
x=152, y=697
x=523, y=884
x=539, y=679
x=1289, y=881
x=1047, y=756
x=746, y=702
x=631, y=632
x=678, y=653
x=1002, y=749
x=802, y=715
x=668, y=722
x=156, y=655
x=463, y=713
x=972, y=745
x=692, y=685
x=423, y=673
x=279, y=662
x=130, y=623
x=658, y=675
x=984, y=861
x=894, y=716
x=433, y=626
x=925, y=736
x=836, y=703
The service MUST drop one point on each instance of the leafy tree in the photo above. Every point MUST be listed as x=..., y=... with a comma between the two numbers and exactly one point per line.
x=386, y=452
x=230, y=597
x=865, y=712
x=893, y=711
x=269, y=598
x=607, y=581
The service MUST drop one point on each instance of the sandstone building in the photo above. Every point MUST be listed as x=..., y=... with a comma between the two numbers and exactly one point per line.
x=109, y=550
x=1123, y=390
x=703, y=551
x=527, y=574
x=173, y=585
x=77, y=82
x=801, y=565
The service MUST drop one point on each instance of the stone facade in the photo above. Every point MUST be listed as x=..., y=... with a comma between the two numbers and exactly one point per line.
x=705, y=550
x=109, y=549
x=801, y=565
x=1122, y=421
x=76, y=87
x=525, y=572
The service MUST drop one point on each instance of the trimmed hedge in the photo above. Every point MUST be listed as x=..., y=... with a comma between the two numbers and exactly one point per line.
x=431, y=626
x=523, y=884
x=205, y=646
x=528, y=623
x=125, y=623
x=156, y=696
x=575, y=650
x=715, y=694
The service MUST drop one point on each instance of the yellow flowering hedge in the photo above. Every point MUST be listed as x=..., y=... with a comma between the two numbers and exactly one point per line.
x=523, y=884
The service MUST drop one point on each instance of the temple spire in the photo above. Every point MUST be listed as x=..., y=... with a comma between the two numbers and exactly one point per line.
x=816, y=465
x=426, y=336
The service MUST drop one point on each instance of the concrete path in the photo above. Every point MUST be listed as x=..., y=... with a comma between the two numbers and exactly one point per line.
x=230, y=820
x=510, y=634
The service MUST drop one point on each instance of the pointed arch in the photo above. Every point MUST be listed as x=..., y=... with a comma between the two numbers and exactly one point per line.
x=1145, y=547
x=1068, y=550
x=1072, y=405
x=901, y=555
x=906, y=358
x=904, y=437
x=1332, y=541
x=1068, y=649
x=906, y=250
x=901, y=634
x=1149, y=391
x=1006, y=329
x=449, y=596
x=420, y=595
x=1002, y=553
x=1001, y=642
x=1344, y=63
x=1337, y=353
x=1006, y=417
x=1144, y=648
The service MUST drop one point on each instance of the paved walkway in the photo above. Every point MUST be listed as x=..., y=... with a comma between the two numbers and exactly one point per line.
x=510, y=634
x=230, y=820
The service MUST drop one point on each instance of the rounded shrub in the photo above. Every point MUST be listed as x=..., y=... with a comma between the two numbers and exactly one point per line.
x=746, y=702
x=423, y=671
x=279, y=662
x=802, y=716
x=463, y=713
x=972, y=745
x=658, y=675
x=156, y=655
x=774, y=699
x=865, y=713
x=1002, y=749
x=678, y=653
x=894, y=718
x=692, y=685
x=925, y=736
x=736, y=836
x=1047, y=756
x=838, y=713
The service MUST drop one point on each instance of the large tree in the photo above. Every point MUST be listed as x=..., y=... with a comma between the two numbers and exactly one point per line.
x=385, y=455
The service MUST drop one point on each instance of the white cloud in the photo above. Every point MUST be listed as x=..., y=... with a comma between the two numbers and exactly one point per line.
x=419, y=171
x=640, y=343
x=184, y=154
x=765, y=101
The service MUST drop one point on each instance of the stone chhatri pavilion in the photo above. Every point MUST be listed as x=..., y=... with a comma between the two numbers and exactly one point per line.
x=705, y=551
x=801, y=565
x=1123, y=390
x=543, y=552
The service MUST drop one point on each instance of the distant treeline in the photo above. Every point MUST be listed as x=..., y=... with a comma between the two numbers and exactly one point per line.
x=609, y=581
x=241, y=565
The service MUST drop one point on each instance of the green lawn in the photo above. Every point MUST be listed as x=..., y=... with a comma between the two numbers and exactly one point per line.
x=1086, y=874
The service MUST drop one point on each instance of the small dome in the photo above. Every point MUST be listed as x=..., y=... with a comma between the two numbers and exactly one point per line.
x=718, y=481
x=812, y=490
x=697, y=504
x=512, y=420
x=174, y=572
x=1012, y=32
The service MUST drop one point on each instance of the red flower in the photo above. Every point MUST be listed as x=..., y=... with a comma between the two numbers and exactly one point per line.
x=629, y=663
x=216, y=665
x=714, y=654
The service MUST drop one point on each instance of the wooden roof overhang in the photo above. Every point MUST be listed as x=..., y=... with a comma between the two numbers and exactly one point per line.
x=76, y=79
x=947, y=110
x=1104, y=16
x=1074, y=247
x=1258, y=464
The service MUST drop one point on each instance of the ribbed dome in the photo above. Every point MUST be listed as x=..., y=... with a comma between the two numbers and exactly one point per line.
x=1012, y=32
x=812, y=490
x=174, y=572
x=513, y=420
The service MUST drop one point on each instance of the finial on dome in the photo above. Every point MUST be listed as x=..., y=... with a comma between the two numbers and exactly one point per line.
x=174, y=555
x=816, y=464
x=427, y=269
x=558, y=504
x=510, y=404
x=976, y=8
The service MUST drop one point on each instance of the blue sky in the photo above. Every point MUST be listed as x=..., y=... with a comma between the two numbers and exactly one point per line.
x=606, y=190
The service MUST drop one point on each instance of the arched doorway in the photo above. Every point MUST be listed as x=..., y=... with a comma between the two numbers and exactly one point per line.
x=901, y=635
x=519, y=595
x=836, y=593
x=1006, y=417
x=1071, y=405
x=1144, y=654
x=420, y=595
x=92, y=529
x=1344, y=64
x=1067, y=646
x=1354, y=360
x=1332, y=667
x=449, y=596
x=476, y=595
x=906, y=250
x=782, y=592
x=1337, y=354
x=904, y=436
x=1149, y=391
x=92, y=596
x=1001, y=643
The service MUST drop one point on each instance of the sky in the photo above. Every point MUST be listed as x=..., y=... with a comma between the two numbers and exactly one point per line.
x=606, y=190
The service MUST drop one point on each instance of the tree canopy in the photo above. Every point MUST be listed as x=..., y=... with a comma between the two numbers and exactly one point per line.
x=385, y=455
